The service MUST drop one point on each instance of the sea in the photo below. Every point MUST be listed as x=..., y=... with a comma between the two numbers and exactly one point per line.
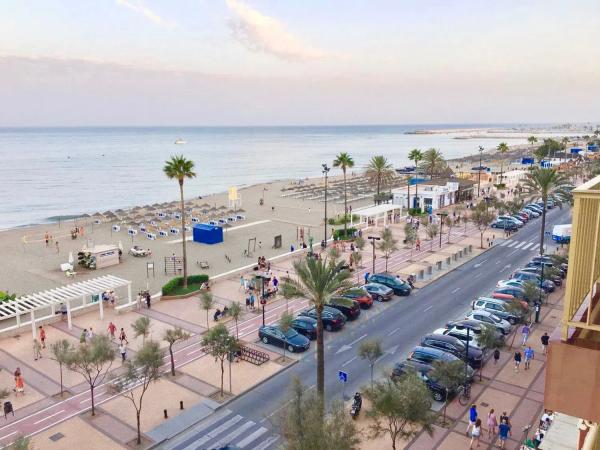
x=52, y=172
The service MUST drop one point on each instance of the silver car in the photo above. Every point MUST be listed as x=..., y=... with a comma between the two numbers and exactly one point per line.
x=489, y=318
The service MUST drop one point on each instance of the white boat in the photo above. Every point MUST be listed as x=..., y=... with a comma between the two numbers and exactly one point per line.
x=180, y=141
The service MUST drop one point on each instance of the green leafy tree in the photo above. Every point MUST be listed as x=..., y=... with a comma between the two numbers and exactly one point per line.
x=60, y=351
x=218, y=343
x=482, y=219
x=514, y=206
x=334, y=254
x=235, y=311
x=172, y=336
x=543, y=182
x=356, y=258
x=359, y=242
x=344, y=161
x=416, y=156
x=433, y=162
x=532, y=140
x=532, y=291
x=449, y=374
x=285, y=324
x=548, y=148
x=92, y=361
x=141, y=372
x=400, y=408
x=141, y=327
x=304, y=426
x=370, y=351
x=179, y=168
x=432, y=230
x=410, y=234
x=387, y=245
x=449, y=224
x=488, y=340
x=318, y=281
x=206, y=303
x=502, y=149
x=380, y=170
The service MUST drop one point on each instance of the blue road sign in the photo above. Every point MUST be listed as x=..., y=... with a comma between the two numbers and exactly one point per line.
x=342, y=376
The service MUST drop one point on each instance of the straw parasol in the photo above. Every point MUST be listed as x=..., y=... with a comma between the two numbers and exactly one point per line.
x=222, y=207
x=85, y=216
x=204, y=205
x=98, y=214
x=241, y=210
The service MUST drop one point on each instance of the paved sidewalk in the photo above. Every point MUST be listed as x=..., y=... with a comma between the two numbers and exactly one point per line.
x=520, y=394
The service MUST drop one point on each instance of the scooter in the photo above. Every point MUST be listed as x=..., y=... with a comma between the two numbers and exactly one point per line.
x=356, y=405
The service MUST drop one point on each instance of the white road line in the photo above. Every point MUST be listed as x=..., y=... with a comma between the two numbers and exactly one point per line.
x=476, y=275
x=49, y=417
x=428, y=308
x=395, y=330
x=527, y=246
x=455, y=290
x=356, y=340
x=9, y=434
x=520, y=245
x=513, y=252
x=349, y=361
x=512, y=244
x=504, y=243
x=497, y=262
x=96, y=396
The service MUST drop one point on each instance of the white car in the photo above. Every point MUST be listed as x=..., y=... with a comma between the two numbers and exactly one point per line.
x=487, y=317
x=460, y=334
x=510, y=282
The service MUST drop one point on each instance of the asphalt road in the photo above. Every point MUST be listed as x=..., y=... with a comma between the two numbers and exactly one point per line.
x=400, y=328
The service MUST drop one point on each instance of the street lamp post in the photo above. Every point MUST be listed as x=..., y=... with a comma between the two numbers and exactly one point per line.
x=442, y=217
x=325, y=172
x=263, y=300
x=373, y=239
x=479, y=172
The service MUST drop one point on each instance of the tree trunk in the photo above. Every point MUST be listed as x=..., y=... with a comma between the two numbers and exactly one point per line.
x=139, y=431
x=172, y=359
x=92, y=396
x=222, y=374
x=418, y=206
x=345, y=207
x=481, y=239
x=386, y=262
x=284, y=346
x=378, y=186
x=543, y=225
x=237, y=333
x=61, y=381
x=372, y=367
x=320, y=356
x=408, y=197
x=185, y=280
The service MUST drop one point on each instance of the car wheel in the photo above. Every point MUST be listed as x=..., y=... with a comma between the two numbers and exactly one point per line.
x=290, y=348
x=265, y=339
x=438, y=396
x=512, y=321
x=328, y=327
x=379, y=298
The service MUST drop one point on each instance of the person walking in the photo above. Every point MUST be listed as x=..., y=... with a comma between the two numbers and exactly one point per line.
x=529, y=354
x=123, y=336
x=367, y=277
x=37, y=350
x=57, y=248
x=47, y=238
x=123, y=351
x=476, y=433
x=517, y=359
x=492, y=423
x=19, y=383
x=111, y=330
x=472, y=418
x=503, y=433
x=496, y=356
x=42, y=334
x=545, y=340
x=83, y=336
x=525, y=334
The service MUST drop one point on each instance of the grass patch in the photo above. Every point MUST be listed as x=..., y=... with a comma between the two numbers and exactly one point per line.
x=175, y=286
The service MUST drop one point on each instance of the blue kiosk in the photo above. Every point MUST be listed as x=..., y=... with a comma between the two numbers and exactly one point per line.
x=207, y=234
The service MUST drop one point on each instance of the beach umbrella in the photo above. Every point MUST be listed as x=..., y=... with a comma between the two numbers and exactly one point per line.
x=98, y=214
x=71, y=260
x=108, y=212
x=241, y=210
x=85, y=216
x=204, y=205
x=222, y=207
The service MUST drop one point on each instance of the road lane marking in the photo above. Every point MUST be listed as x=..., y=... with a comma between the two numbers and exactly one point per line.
x=49, y=417
x=395, y=330
x=513, y=252
x=527, y=246
x=498, y=262
x=428, y=308
x=520, y=245
x=455, y=290
x=349, y=361
x=356, y=340
x=9, y=434
x=476, y=275
x=504, y=243
x=512, y=243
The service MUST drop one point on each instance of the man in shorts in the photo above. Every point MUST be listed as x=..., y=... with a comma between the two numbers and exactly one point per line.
x=545, y=339
x=528, y=353
x=503, y=433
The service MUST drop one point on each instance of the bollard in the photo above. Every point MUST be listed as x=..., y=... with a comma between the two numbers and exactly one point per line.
x=460, y=254
x=448, y=261
x=180, y=404
x=165, y=413
x=438, y=265
x=421, y=274
x=429, y=270
x=470, y=248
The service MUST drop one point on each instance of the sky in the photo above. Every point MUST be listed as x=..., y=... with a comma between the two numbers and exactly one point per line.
x=290, y=62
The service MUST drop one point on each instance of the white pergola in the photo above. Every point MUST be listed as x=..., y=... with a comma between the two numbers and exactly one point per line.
x=385, y=211
x=83, y=291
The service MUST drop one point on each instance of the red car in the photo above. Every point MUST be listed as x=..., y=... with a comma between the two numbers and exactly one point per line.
x=359, y=294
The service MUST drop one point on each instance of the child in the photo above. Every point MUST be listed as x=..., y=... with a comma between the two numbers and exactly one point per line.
x=42, y=336
x=492, y=423
x=476, y=433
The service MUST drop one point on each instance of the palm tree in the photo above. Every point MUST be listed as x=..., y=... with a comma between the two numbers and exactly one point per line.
x=178, y=168
x=318, y=281
x=416, y=155
x=502, y=149
x=379, y=168
x=433, y=162
x=532, y=140
x=344, y=161
x=542, y=182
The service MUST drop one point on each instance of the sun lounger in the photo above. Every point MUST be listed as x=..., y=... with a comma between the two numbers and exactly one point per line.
x=231, y=219
x=203, y=264
x=116, y=228
x=240, y=217
x=174, y=230
x=151, y=236
x=162, y=233
x=188, y=229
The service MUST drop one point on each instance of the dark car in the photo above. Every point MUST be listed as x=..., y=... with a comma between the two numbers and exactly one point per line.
x=454, y=346
x=400, y=287
x=359, y=294
x=547, y=285
x=350, y=308
x=306, y=326
x=292, y=340
x=333, y=319
x=428, y=355
x=423, y=371
x=379, y=292
x=548, y=265
x=557, y=280
x=548, y=260
x=505, y=225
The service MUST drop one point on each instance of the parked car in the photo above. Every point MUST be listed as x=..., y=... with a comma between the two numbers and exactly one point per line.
x=561, y=271
x=522, y=217
x=556, y=279
x=379, y=292
x=486, y=317
x=350, y=308
x=359, y=294
x=518, y=222
x=511, y=282
x=505, y=225
x=498, y=307
x=454, y=346
x=423, y=371
x=291, y=340
x=465, y=336
x=548, y=259
x=547, y=285
x=513, y=291
x=400, y=287
x=333, y=319
x=306, y=326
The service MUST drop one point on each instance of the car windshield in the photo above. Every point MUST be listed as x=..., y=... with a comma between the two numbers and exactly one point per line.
x=291, y=333
x=495, y=318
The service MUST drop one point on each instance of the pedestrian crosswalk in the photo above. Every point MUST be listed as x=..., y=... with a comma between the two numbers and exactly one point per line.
x=225, y=429
x=519, y=245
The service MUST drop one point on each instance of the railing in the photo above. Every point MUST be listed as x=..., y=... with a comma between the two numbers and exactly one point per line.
x=253, y=356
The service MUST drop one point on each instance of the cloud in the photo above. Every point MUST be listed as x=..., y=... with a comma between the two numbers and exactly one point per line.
x=261, y=33
x=138, y=7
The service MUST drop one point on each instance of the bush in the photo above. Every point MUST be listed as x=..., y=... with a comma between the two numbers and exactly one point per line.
x=500, y=186
x=341, y=220
x=175, y=286
x=339, y=234
x=416, y=212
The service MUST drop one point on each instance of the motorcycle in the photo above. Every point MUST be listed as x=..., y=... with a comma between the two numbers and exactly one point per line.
x=356, y=405
x=411, y=280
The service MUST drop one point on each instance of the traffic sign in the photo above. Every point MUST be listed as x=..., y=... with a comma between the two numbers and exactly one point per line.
x=342, y=376
x=263, y=301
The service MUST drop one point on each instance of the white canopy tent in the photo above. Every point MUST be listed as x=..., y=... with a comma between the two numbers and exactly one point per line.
x=387, y=212
x=84, y=293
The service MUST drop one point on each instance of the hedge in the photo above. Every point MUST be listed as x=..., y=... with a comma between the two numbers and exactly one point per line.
x=339, y=234
x=194, y=283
